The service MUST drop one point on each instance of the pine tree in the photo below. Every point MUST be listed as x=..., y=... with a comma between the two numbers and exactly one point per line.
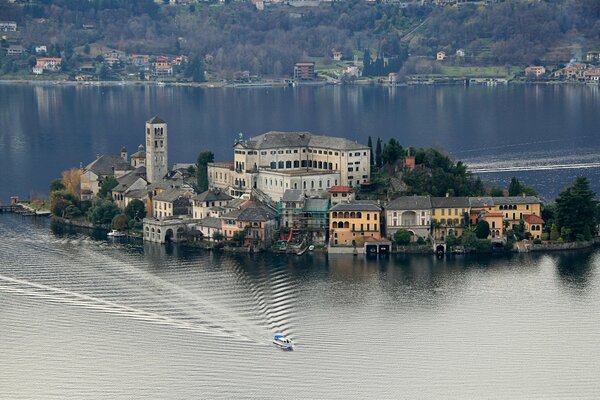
x=366, y=63
x=576, y=208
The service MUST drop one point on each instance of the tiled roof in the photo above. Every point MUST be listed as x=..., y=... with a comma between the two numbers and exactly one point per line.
x=277, y=139
x=210, y=222
x=107, y=164
x=409, y=203
x=252, y=213
x=357, y=205
x=129, y=179
x=449, y=202
x=492, y=215
x=213, y=195
x=533, y=219
x=156, y=120
x=512, y=200
x=340, y=189
x=293, y=195
x=171, y=194
x=485, y=201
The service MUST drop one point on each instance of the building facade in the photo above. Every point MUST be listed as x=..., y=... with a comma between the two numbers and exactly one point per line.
x=412, y=213
x=276, y=161
x=352, y=223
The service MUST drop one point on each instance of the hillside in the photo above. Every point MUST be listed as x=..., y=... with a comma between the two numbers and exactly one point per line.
x=237, y=36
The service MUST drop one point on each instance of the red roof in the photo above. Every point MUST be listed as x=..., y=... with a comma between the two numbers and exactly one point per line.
x=533, y=219
x=340, y=189
x=493, y=215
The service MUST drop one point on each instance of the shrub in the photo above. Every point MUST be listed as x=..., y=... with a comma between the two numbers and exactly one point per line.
x=537, y=241
x=402, y=237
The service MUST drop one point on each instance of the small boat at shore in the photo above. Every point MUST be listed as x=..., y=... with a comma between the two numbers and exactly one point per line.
x=115, y=233
x=283, y=343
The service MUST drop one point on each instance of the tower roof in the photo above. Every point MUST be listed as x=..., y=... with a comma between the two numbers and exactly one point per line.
x=156, y=120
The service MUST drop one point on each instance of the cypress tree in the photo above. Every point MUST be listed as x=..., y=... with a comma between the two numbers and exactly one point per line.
x=378, y=161
x=370, y=144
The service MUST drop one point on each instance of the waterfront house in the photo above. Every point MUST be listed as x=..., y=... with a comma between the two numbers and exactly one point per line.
x=8, y=26
x=495, y=221
x=162, y=67
x=41, y=49
x=412, y=213
x=337, y=55
x=440, y=56
x=103, y=167
x=209, y=226
x=210, y=203
x=352, y=222
x=534, y=225
x=535, y=71
x=15, y=50
x=173, y=202
x=304, y=71
x=340, y=193
x=140, y=61
x=43, y=64
x=512, y=208
x=290, y=208
x=276, y=161
x=592, y=56
x=256, y=220
x=449, y=216
x=133, y=180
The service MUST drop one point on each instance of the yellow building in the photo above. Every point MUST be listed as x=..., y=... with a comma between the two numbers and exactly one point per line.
x=352, y=222
x=513, y=208
x=534, y=225
x=449, y=216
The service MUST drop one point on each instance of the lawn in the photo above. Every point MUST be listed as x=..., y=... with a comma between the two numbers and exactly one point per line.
x=493, y=71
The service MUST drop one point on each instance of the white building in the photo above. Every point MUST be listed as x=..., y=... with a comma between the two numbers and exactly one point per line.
x=412, y=213
x=276, y=161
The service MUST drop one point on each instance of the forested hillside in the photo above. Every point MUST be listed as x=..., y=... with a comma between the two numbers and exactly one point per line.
x=236, y=36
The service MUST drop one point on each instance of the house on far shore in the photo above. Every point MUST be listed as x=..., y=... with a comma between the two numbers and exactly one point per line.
x=8, y=26
x=304, y=71
x=535, y=71
x=412, y=213
x=440, y=56
x=592, y=56
x=15, y=50
x=337, y=55
x=534, y=225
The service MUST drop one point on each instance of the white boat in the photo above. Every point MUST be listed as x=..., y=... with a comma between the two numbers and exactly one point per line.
x=115, y=233
x=282, y=342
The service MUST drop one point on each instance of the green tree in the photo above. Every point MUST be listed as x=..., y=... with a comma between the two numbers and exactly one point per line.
x=107, y=186
x=56, y=185
x=102, y=211
x=516, y=188
x=482, y=230
x=497, y=192
x=204, y=158
x=135, y=210
x=576, y=208
x=392, y=152
x=86, y=49
x=104, y=73
x=554, y=234
x=119, y=222
x=195, y=69
x=402, y=237
x=217, y=236
x=366, y=63
x=378, y=160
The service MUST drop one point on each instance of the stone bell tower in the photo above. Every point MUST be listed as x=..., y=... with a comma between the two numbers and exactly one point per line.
x=157, y=161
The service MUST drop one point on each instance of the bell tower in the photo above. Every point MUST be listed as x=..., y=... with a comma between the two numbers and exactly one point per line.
x=157, y=162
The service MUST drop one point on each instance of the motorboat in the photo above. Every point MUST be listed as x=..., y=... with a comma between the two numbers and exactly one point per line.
x=115, y=233
x=282, y=342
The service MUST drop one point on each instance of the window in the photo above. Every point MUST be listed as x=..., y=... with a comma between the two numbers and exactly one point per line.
x=443, y=211
x=273, y=165
x=336, y=153
x=368, y=227
x=375, y=216
x=303, y=163
x=279, y=151
x=288, y=164
x=296, y=163
x=350, y=169
x=288, y=152
x=368, y=217
x=295, y=151
x=280, y=165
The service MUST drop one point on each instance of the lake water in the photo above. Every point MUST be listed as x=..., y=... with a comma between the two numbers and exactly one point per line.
x=546, y=135
x=86, y=318
x=83, y=318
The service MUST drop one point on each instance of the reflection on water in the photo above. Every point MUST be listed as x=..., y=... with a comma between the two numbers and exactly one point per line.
x=47, y=129
x=83, y=317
